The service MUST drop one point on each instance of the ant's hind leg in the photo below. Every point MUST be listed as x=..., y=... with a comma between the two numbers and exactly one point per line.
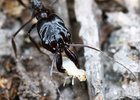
x=33, y=41
x=72, y=57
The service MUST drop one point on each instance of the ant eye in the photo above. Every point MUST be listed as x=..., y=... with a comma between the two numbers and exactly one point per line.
x=68, y=34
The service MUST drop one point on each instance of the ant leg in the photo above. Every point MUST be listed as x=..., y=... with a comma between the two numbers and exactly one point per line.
x=21, y=2
x=59, y=63
x=13, y=37
x=52, y=3
x=33, y=41
x=72, y=57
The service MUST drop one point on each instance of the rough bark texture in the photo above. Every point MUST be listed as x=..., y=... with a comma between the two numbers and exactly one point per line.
x=125, y=44
x=86, y=13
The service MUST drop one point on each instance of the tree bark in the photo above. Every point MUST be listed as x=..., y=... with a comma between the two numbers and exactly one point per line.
x=86, y=14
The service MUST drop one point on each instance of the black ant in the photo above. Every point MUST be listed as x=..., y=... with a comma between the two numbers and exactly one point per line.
x=56, y=38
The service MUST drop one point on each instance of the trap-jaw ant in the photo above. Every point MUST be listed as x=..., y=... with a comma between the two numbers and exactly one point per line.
x=56, y=38
x=54, y=35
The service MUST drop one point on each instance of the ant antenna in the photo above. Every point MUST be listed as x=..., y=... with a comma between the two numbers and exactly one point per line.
x=82, y=45
x=59, y=93
x=54, y=57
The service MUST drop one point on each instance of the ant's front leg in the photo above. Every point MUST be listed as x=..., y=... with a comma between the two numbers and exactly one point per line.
x=59, y=66
x=72, y=57
x=13, y=37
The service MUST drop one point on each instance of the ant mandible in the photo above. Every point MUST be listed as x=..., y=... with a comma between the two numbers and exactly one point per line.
x=56, y=38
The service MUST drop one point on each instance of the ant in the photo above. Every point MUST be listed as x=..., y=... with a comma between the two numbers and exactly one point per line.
x=56, y=38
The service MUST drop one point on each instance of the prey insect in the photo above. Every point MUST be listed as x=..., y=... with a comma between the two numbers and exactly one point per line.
x=56, y=38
